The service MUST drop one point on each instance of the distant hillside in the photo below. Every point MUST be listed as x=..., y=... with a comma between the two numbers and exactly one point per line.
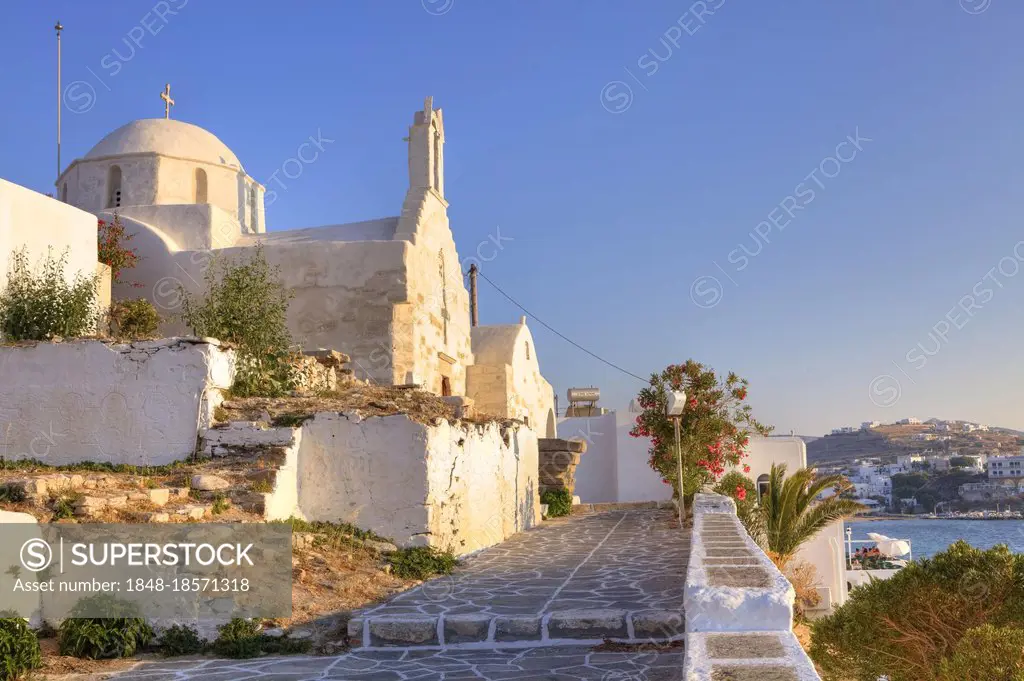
x=888, y=441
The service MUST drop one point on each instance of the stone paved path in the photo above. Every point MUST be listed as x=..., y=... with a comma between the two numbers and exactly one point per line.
x=539, y=664
x=616, y=574
x=533, y=607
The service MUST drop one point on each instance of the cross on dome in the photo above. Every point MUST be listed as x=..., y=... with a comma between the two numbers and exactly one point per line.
x=168, y=102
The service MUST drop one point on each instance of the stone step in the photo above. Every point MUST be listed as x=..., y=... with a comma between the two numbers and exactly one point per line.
x=483, y=630
x=622, y=506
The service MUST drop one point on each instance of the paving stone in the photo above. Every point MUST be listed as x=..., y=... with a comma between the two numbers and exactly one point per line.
x=522, y=628
x=588, y=624
x=753, y=673
x=466, y=628
x=421, y=631
x=658, y=625
x=751, y=577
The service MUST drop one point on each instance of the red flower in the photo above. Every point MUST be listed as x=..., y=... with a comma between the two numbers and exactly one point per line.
x=746, y=468
x=741, y=492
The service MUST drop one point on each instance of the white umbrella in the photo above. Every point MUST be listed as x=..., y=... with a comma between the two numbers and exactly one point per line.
x=888, y=545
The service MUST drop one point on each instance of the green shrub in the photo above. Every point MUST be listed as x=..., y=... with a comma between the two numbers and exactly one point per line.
x=421, y=562
x=119, y=633
x=43, y=305
x=246, y=304
x=903, y=627
x=19, y=647
x=559, y=502
x=239, y=639
x=11, y=494
x=181, y=640
x=986, y=653
x=131, y=319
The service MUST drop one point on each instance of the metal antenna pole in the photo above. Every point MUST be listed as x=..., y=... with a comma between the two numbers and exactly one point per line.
x=57, y=27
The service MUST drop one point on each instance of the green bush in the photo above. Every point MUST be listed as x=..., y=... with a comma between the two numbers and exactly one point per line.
x=42, y=305
x=986, y=653
x=421, y=562
x=904, y=626
x=559, y=502
x=238, y=639
x=181, y=640
x=11, y=494
x=131, y=319
x=19, y=647
x=246, y=304
x=241, y=639
x=119, y=633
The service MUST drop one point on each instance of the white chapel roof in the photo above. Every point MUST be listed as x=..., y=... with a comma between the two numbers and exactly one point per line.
x=495, y=343
x=167, y=137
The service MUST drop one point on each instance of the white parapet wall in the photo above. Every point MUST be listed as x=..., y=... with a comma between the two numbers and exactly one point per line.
x=452, y=485
x=141, y=403
x=739, y=607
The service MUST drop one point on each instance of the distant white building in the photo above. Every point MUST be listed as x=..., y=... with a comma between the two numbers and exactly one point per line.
x=909, y=422
x=1009, y=468
x=845, y=430
x=922, y=437
x=943, y=427
x=868, y=425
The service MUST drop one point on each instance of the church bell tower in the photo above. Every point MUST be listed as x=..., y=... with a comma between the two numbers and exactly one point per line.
x=426, y=149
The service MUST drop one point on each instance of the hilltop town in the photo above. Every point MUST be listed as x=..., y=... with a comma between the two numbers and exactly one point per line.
x=924, y=465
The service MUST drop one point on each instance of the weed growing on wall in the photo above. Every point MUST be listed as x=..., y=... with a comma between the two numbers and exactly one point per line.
x=132, y=319
x=39, y=305
x=246, y=304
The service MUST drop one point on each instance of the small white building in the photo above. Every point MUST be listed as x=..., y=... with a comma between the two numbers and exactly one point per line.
x=1005, y=468
x=911, y=421
x=868, y=425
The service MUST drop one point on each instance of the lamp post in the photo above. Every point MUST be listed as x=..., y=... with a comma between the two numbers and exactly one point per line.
x=674, y=406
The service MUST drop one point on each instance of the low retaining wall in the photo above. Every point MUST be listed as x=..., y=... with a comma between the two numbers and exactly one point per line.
x=141, y=403
x=451, y=485
x=739, y=607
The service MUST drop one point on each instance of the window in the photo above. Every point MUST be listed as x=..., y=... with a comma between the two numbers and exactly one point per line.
x=762, y=486
x=114, y=187
x=64, y=193
x=200, y=186
x=527, y=349
x=446, y=386
x=254, y=215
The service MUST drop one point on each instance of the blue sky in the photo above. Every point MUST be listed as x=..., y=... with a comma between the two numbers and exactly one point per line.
x=627, y=152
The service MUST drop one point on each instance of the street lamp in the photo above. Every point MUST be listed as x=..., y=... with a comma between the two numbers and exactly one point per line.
x=674, y=406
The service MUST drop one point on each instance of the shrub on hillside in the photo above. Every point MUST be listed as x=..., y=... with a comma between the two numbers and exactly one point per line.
x=19, y=647
x=40, y=305
x=119, y=633
x=131, y=319
x=986, y=653
x=905, y=626
x=246, y=304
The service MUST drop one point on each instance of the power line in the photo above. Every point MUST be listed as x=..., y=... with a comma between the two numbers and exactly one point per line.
x=560, y=335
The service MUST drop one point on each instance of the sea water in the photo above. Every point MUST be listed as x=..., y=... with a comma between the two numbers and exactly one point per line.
x=928, y=537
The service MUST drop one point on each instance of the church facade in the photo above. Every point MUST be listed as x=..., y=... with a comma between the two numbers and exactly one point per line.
x=387, y=292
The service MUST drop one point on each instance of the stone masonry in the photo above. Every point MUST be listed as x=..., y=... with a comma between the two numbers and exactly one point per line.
x=558, y=461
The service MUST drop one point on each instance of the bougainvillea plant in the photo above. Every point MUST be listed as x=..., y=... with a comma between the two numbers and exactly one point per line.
x=714, y=429
x=114, y=250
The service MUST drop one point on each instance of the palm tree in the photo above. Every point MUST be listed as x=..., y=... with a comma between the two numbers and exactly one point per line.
x=789, y=515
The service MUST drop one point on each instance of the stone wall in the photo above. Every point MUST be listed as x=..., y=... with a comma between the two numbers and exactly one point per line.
x=558, y=461
x=739, y=607
x=143, y=403
x=451, y=485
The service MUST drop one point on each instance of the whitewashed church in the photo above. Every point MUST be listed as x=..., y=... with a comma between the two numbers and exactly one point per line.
x=387, y=292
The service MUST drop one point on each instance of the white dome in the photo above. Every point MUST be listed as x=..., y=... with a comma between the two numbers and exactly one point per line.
x=167, y=137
